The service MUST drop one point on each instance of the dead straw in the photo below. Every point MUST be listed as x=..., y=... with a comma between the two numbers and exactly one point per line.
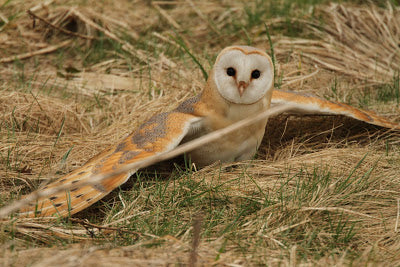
x=348, y=41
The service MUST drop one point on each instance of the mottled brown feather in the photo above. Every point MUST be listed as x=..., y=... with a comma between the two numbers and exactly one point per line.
x=160, y=133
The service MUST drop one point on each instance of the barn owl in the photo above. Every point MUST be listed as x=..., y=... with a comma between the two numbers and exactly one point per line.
x=240, y=85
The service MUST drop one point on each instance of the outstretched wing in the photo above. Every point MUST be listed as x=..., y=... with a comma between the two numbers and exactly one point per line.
x=161, y=133
x=309, y=104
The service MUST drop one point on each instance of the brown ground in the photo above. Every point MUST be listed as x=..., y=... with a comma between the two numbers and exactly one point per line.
x=110, y=65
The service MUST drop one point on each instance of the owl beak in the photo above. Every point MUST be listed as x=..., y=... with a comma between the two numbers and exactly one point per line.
x=242, y=86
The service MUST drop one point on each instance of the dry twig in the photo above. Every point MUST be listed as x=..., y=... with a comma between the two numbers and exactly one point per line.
x=46, y=50
x=86, y=224
x=196, y=239
x=34, y=16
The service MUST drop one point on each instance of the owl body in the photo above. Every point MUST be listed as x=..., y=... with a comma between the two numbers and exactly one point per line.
x=236, y=146
x=218, y=112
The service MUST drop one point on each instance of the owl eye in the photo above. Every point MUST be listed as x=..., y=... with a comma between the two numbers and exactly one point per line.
x=230, y=71
x=255, y=74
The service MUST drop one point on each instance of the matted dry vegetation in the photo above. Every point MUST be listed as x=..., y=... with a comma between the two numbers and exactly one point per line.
x=76, y=76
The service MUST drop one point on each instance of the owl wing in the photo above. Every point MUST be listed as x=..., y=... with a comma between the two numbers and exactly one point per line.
x=309, y=104
x=161, y=133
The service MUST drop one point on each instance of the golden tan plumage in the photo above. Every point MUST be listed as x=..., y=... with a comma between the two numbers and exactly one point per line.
x=314, y=105
x=161, y=133
x=240, y=86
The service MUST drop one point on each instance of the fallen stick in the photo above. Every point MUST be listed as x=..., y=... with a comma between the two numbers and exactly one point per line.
x=42, y=51
x=34, y=16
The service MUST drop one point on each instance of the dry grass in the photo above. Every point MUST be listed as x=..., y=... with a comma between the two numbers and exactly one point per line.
x=322, y=190
x=350, y=39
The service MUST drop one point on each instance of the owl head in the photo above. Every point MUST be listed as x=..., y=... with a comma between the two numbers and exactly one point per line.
x=243, y=74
